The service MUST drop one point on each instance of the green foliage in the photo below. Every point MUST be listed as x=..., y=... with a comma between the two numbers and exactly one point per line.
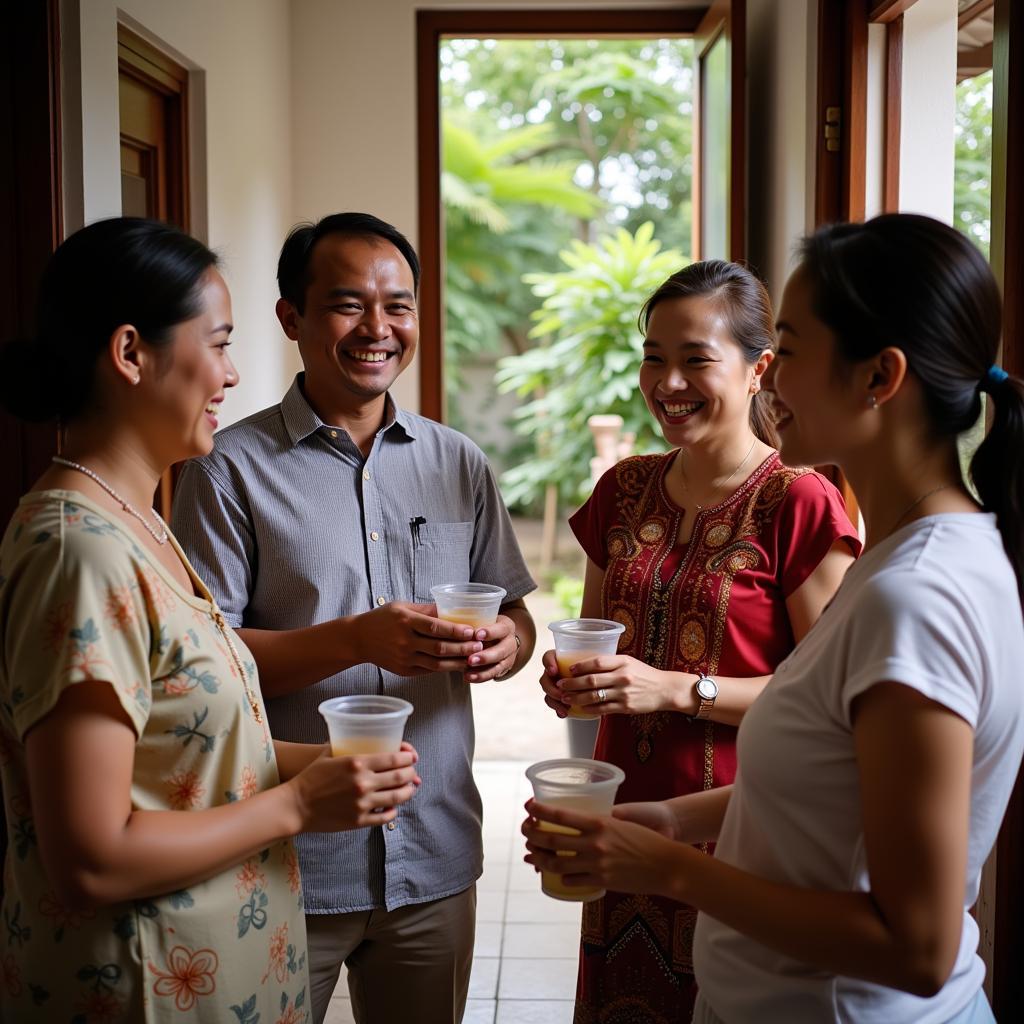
x=972, y=183
x=587, y=361
x=568, y=591
x=495, y=196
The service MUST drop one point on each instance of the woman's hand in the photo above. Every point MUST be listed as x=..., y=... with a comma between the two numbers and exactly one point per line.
x=609, y=852
x=616, y=684
x=549, y=684
x=335, y=794
x=656, y=815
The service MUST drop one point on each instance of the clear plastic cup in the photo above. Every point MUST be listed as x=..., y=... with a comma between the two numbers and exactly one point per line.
x=576, y=784
x=580, y=639
x=470, y=604
x=365, y=723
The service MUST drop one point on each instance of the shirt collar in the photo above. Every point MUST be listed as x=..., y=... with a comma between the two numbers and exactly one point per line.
x=301, y=421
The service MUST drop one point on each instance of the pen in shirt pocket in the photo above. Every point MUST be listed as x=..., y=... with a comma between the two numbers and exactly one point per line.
x=414, y=528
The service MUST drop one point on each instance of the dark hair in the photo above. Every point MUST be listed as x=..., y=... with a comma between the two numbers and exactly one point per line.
x=748, y=310
x=917, y=284
x=125, y=270
x=293, y=266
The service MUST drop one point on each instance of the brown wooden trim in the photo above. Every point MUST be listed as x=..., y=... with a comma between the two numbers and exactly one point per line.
x=726, y=17
x=888, y=10
x=839, y=188
x=1007, y=254
x=138, y=59
x=973, y=62
x=970, y=13
x=893, y=109
x=31, y=223
x=31, y=210
x=154, y=63
x=431, y=27
x=575, y=21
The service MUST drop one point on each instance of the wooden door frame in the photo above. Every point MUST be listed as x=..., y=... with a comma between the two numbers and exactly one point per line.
x=431, y=27
x=728, y=18
x=32, y=224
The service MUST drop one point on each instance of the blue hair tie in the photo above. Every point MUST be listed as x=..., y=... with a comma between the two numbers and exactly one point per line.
x=994, y=376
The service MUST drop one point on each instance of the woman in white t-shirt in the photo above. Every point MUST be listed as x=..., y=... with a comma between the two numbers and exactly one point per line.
x=875, y=768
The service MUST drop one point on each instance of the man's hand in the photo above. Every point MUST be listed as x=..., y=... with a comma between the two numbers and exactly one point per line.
x=409, y=640
x=498, y=655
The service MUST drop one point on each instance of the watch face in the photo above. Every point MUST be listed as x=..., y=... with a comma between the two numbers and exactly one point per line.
x=707, y=688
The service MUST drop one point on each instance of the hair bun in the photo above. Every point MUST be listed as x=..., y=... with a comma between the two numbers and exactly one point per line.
x=28, y=389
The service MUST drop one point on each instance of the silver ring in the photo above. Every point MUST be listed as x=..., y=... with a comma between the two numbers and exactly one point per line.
x=602, y=696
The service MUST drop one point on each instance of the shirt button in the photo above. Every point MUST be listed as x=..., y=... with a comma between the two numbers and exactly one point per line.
x=334, y=433
x=380, y=600
x=366, y=474
x=391, y=826
x=374, y=535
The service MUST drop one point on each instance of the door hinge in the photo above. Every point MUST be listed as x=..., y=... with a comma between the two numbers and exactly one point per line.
x=833, y=119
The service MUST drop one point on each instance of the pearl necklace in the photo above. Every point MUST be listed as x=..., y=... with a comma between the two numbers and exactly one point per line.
x=159, y=535
x=724, y=483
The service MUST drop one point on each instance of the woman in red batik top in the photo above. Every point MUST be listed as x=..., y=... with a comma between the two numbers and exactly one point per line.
x=717, y=559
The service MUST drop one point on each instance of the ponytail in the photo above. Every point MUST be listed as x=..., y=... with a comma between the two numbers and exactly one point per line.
x=997, y=468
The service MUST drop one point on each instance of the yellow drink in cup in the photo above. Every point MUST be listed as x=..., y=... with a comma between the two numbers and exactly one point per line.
x=575, y=784
x=365, y=723
x=469, y=617
x=579, y=640
x=469, y=604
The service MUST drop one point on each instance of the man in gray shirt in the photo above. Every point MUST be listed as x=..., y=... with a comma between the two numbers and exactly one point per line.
x=320, y=525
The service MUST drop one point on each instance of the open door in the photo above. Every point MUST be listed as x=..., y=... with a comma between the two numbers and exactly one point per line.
x=720, y=133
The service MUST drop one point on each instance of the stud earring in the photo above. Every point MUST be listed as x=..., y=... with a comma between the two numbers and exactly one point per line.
x=755, y=387
x=136, y=379
x=872, y=402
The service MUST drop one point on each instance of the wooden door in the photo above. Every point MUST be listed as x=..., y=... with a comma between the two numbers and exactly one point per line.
x=720, y=133
x=152, y=103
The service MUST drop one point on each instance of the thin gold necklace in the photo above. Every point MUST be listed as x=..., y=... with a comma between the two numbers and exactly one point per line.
x=917, y=501
x=724, y=483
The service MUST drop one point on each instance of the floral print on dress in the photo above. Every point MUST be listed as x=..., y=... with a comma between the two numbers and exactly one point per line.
x=84, y=602
x=189, y=975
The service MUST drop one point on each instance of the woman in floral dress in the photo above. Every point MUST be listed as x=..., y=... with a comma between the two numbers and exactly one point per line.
x=716, y=558
x=149, y=873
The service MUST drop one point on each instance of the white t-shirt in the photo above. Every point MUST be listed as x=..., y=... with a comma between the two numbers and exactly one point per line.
x=934, y=607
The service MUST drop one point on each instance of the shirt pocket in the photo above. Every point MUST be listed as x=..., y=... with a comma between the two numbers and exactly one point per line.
x=440, y=554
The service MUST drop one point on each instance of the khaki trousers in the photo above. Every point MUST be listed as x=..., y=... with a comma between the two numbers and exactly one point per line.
x=409, y=964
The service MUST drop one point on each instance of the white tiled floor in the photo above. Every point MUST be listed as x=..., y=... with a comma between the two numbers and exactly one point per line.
x=524, y=966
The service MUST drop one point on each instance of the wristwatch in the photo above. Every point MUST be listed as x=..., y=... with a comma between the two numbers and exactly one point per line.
x=707, y=691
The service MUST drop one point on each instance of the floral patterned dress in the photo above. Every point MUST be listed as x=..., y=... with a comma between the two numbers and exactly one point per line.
x=81, y=600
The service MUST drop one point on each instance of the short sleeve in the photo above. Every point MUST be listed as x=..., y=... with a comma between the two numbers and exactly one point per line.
x=77, y=611
x=812, y=518
x=215, y=532
x=495, y=556
x=590, y=523
x=914, y=628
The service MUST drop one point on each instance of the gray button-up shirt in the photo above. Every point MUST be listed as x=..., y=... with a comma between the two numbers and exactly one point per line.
x=289, y=526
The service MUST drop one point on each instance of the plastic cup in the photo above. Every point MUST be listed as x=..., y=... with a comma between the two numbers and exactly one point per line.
x=470, y=604
x=580, y=639
x=365, y=723
x=577, y=784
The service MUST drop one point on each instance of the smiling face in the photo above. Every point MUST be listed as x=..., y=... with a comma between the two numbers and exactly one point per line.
x=817, y=406
x=359, y=328
x=694, y=377
x=183, y=395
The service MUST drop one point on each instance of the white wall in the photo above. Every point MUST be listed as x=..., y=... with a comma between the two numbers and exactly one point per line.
x=238, y=54
x=781, y=96
x=928, y=108
x=354, y=110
